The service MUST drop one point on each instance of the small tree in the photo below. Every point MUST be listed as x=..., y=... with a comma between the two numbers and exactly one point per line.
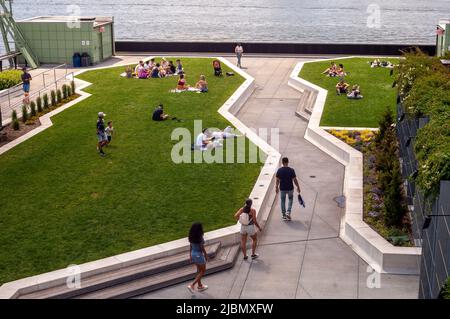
x=64, y=92
x=39, y=104
x=15, y=121
x=53, y=97
x=69, y=91
x=45, y=99
x=24, y=113
x=394, y=209
x=59, y=96
x=33, y=109
x=72, y=86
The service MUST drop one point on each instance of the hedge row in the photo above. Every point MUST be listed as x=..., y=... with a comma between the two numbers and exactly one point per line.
x=10, y=78
x=424, y=88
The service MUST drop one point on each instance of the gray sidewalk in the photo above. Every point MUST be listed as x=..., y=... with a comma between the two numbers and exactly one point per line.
x=304, y=258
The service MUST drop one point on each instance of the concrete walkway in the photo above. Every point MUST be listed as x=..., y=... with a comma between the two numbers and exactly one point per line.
x=304, y=258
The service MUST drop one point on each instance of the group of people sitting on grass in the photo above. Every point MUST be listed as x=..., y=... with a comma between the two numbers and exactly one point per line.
x=335, y=71
x=344, y=88
x=152, y=69
x=381, y=64
x=200, y=87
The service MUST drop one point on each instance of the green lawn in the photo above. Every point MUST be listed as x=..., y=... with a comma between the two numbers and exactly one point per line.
x=61, y=203
x=376, y=87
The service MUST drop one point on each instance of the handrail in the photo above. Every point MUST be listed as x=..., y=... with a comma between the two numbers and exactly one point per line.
x=16, y=91
x=68, y=77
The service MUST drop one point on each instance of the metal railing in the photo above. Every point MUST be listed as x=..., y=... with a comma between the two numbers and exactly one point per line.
x=12, y=98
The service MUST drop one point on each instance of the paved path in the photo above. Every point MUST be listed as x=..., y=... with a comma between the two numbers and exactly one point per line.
x=304, y=258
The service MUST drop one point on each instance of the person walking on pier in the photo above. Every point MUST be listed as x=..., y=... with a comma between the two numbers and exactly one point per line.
x=198, y=255
x=239, y=50
x=247, y=218
x=286, y=178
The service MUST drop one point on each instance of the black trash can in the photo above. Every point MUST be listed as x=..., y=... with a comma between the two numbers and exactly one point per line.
x=85, y=59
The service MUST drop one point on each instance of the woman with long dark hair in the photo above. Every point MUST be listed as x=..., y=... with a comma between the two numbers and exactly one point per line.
x=247, y=218
x=198, y=255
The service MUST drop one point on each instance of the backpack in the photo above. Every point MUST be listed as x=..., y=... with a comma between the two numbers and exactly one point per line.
x=244, y=219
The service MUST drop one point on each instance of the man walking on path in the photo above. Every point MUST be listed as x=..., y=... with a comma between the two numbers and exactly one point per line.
x=26, y=78
x=286, y=179
x=239, y=50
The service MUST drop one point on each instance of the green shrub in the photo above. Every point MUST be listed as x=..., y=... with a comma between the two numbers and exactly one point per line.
x=10, y=78
x=33, y=109
x=394, y=208
x=45, y=100
x=24, y=113
x=69, y=91
x=445, y=292
x=53, y=97
x=64, y=92
x=15, y=121
x=59, y=96
x=39, y=104
x=72, y=86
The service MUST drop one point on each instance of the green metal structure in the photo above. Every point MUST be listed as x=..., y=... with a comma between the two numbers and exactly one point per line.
x=10, y=30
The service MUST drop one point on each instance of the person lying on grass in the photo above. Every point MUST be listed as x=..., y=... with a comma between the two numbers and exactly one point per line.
x=341, y=87
x=202, y=85
x=226, y=133
x=355, y=93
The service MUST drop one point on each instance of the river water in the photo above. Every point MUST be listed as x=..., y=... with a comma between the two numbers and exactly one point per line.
x=306, y=21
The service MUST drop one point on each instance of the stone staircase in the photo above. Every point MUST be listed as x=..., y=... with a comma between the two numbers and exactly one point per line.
x=306, y=105
x=141, y=278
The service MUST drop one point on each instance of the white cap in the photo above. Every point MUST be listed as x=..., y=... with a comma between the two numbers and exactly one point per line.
x=101, y=114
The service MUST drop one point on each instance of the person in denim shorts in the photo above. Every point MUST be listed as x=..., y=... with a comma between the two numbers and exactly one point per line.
x=198, y=255
x=101, y=134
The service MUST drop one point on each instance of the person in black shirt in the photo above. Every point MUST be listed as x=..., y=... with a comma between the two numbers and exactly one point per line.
x=159, y=115
x=101, y=135
x=286, y=179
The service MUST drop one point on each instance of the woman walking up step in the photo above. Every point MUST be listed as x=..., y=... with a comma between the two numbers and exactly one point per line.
x=198, y=255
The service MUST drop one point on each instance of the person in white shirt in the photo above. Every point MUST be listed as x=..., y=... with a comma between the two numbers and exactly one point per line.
x=239, y=50
x=203, y=142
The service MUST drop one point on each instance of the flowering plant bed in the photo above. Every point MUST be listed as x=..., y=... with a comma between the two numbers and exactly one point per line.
x=374, y=196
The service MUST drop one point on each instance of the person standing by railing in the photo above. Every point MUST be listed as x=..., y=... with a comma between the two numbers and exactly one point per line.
x=26, y=80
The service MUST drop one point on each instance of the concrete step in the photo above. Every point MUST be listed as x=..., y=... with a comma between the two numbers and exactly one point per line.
x=225, y=259
x=120, y=276
x=303, y=115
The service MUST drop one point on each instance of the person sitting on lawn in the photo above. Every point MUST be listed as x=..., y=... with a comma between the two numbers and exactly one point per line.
x=332, y=70
x=128, y=72
x=202, y=85
x=341, y=87
x=217, y=68
x=179, y=68
x=182, y=85
x=159, y=115
x=172, y=68
x=375, y=64
x=340, y=71
x=155, y=71
x=203, y=142
x=355, y=93
x=148, y=67
x=141, y=72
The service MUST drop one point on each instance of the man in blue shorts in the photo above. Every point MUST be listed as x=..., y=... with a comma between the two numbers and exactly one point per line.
x=26, y=79
x=101, y=134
